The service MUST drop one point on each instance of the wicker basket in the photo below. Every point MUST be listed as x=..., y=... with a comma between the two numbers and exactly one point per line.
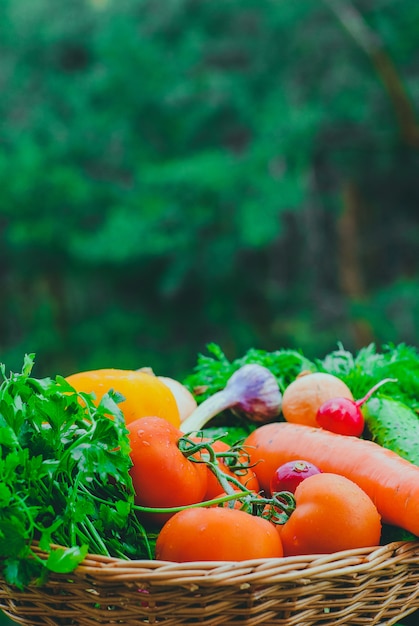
x=366, y=586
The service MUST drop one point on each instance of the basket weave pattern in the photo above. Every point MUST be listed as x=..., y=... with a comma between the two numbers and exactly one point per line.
x=359, y=587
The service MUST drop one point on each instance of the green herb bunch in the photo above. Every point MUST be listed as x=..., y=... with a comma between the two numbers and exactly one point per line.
x=212, y=371
x=64, y=478
x=358, y=370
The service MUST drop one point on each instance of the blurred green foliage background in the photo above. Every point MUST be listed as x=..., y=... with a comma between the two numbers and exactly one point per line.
x=184, y=171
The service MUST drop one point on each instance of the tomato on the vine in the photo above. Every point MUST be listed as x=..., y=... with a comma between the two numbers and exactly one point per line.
x=161, y=474
x=244, y=475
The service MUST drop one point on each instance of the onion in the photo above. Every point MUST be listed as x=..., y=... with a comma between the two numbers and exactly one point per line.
x=185, y=400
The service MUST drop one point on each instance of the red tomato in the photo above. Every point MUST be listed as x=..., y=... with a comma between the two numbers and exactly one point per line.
x=332, y=513
x=217, y=534
x=162, y=475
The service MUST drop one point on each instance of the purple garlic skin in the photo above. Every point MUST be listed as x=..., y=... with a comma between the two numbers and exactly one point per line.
x=262, y=398
x=252, y=390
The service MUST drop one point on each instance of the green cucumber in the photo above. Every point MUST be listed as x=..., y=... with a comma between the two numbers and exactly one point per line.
x=393, y=425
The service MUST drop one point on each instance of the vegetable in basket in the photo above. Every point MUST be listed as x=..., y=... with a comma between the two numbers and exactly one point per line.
x=390, y=481
x=331, y=514
x=163, y=476
x=212, y=534
x=308, y=392
x=65, y=469
x=232, y=460
x=64, y=478
x=171, y=470
x=213, y=371
x=393, y=425
x=141, y=392
x=343, y=415
x=252, y=390
x=289, y=475
x=185, y=400
x=359, y=371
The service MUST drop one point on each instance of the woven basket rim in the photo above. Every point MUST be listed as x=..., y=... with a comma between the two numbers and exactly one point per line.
x=366, y=585
x=272, y=570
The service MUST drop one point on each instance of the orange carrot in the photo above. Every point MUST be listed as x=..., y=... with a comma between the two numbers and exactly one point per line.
x=391, y=482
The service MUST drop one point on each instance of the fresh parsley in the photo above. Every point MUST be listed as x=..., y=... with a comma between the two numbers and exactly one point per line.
x=64, y=478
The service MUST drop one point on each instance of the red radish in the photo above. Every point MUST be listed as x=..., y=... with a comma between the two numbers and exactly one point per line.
x=344, y=416
x=288, y=476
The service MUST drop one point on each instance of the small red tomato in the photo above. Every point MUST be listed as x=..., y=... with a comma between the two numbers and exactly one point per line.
x=217, y=534
x=288, y=476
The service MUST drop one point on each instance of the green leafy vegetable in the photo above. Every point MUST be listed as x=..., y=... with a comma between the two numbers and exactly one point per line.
x=212, y=372
x=64, y=478
x=360, y=371
x=368, y=366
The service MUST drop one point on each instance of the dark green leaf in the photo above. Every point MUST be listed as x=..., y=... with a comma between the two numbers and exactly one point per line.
x=12, y=536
